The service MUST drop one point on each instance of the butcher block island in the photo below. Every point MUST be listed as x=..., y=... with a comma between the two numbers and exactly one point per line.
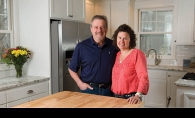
x=69, y=99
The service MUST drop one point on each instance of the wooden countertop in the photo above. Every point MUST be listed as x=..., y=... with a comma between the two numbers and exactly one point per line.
x=68, y=99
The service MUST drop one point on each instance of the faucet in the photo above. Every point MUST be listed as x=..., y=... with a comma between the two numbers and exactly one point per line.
x=157, y=61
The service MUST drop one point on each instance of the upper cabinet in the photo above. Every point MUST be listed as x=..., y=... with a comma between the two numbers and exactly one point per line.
x=67, y=9
x=185, y=30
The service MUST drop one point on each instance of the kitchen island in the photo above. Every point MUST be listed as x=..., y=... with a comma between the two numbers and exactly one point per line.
x=185, y=93
x=69, y=99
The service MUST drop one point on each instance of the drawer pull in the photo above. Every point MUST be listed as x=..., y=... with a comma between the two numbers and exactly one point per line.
x=29, y=91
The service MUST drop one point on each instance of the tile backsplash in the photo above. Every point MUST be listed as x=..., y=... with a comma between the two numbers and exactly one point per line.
x=182, y=52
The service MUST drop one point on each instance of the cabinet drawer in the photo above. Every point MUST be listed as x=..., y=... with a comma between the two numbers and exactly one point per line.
x=27, y=91
x=2, y=98
x=3, y=106
x=39, y=96
x=17, y=102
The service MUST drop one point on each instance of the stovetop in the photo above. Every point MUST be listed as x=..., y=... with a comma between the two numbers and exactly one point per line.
x=189, y=76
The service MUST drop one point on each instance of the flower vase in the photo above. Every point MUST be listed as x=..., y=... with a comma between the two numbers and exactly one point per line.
x=18, y=68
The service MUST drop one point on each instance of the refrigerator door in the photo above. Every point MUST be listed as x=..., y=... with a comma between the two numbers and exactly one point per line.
x=56, y=51
x=69, y=38
x=69, y=35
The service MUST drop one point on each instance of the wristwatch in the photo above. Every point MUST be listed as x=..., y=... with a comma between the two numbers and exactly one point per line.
x=139, y=94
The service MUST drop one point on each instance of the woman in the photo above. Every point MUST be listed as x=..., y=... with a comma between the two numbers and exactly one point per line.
x=129, y=73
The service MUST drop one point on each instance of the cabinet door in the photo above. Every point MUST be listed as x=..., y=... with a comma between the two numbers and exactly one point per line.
x=2, y=97
x=67, y=9
x=171, y=87
x=185, y=33
x=3, y=106
x=156, y=96
x=27, y=91
x=103, y=8
x=89, y=11
x=189, y=100
x=78, y=10
x=59, y=9
x=185, y=97
x=17, y=102
x=39, y=96
x=119, y=14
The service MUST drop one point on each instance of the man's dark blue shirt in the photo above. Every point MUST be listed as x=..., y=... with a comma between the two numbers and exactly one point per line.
x=95, y=62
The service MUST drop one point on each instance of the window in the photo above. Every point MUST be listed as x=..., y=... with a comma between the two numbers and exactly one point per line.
x=5, y=26
x=155, y=31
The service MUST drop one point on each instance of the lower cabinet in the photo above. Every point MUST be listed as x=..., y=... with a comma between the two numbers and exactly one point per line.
x=3, y=106
x=17, y=102
x=172, y=77
x=2, y=100
x=24, y=94
x=185, y=97
x=162, y=86
x=156, y=96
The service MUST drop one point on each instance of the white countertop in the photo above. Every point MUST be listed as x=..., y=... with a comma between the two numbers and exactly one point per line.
x=11, y=82
x=183, y=82
x=171, y=68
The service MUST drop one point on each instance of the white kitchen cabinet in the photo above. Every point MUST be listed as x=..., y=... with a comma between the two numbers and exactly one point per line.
x=89, y=10
x=27, y=93
x=157, y=96
x=2, y=100
x=68, y=9
x=117, y=11
x=185, y=30
x=172, y=77
x=185, y=97
x=23, y=100
x=3, y=106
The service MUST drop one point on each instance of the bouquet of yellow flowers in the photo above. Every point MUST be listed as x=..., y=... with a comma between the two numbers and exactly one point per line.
x=17, y=57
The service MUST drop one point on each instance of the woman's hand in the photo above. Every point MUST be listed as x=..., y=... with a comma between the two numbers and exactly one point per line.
x=134, y=99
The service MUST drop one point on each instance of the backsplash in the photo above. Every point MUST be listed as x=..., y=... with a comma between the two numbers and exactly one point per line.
x=182, y=52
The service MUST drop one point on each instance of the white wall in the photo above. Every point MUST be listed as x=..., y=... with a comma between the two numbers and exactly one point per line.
x=34, y=33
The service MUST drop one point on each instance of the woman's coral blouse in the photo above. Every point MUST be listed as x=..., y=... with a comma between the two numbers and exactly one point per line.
x=131, y=74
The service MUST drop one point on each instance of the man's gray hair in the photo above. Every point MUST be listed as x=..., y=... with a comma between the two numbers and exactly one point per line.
x=102, y=17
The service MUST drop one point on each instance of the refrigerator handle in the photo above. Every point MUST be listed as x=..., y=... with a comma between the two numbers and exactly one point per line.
x=78, y=40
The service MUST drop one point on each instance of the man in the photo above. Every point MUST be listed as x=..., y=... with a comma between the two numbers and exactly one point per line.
x=95, y=57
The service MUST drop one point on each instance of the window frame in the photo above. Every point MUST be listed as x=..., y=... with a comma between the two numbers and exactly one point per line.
x=172, y=32
x=9, y=30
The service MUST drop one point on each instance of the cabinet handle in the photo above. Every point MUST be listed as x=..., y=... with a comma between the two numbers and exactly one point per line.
x=29, y=91
x=168, y=75
x=175, y=40
x=70, y=15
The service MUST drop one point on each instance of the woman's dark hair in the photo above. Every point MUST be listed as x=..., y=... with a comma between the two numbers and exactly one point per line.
x=125, y=28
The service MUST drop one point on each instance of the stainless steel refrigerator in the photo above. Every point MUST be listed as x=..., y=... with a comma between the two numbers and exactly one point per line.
x=64, y=37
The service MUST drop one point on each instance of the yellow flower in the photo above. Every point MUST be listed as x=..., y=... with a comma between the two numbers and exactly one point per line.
x=16, y=53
